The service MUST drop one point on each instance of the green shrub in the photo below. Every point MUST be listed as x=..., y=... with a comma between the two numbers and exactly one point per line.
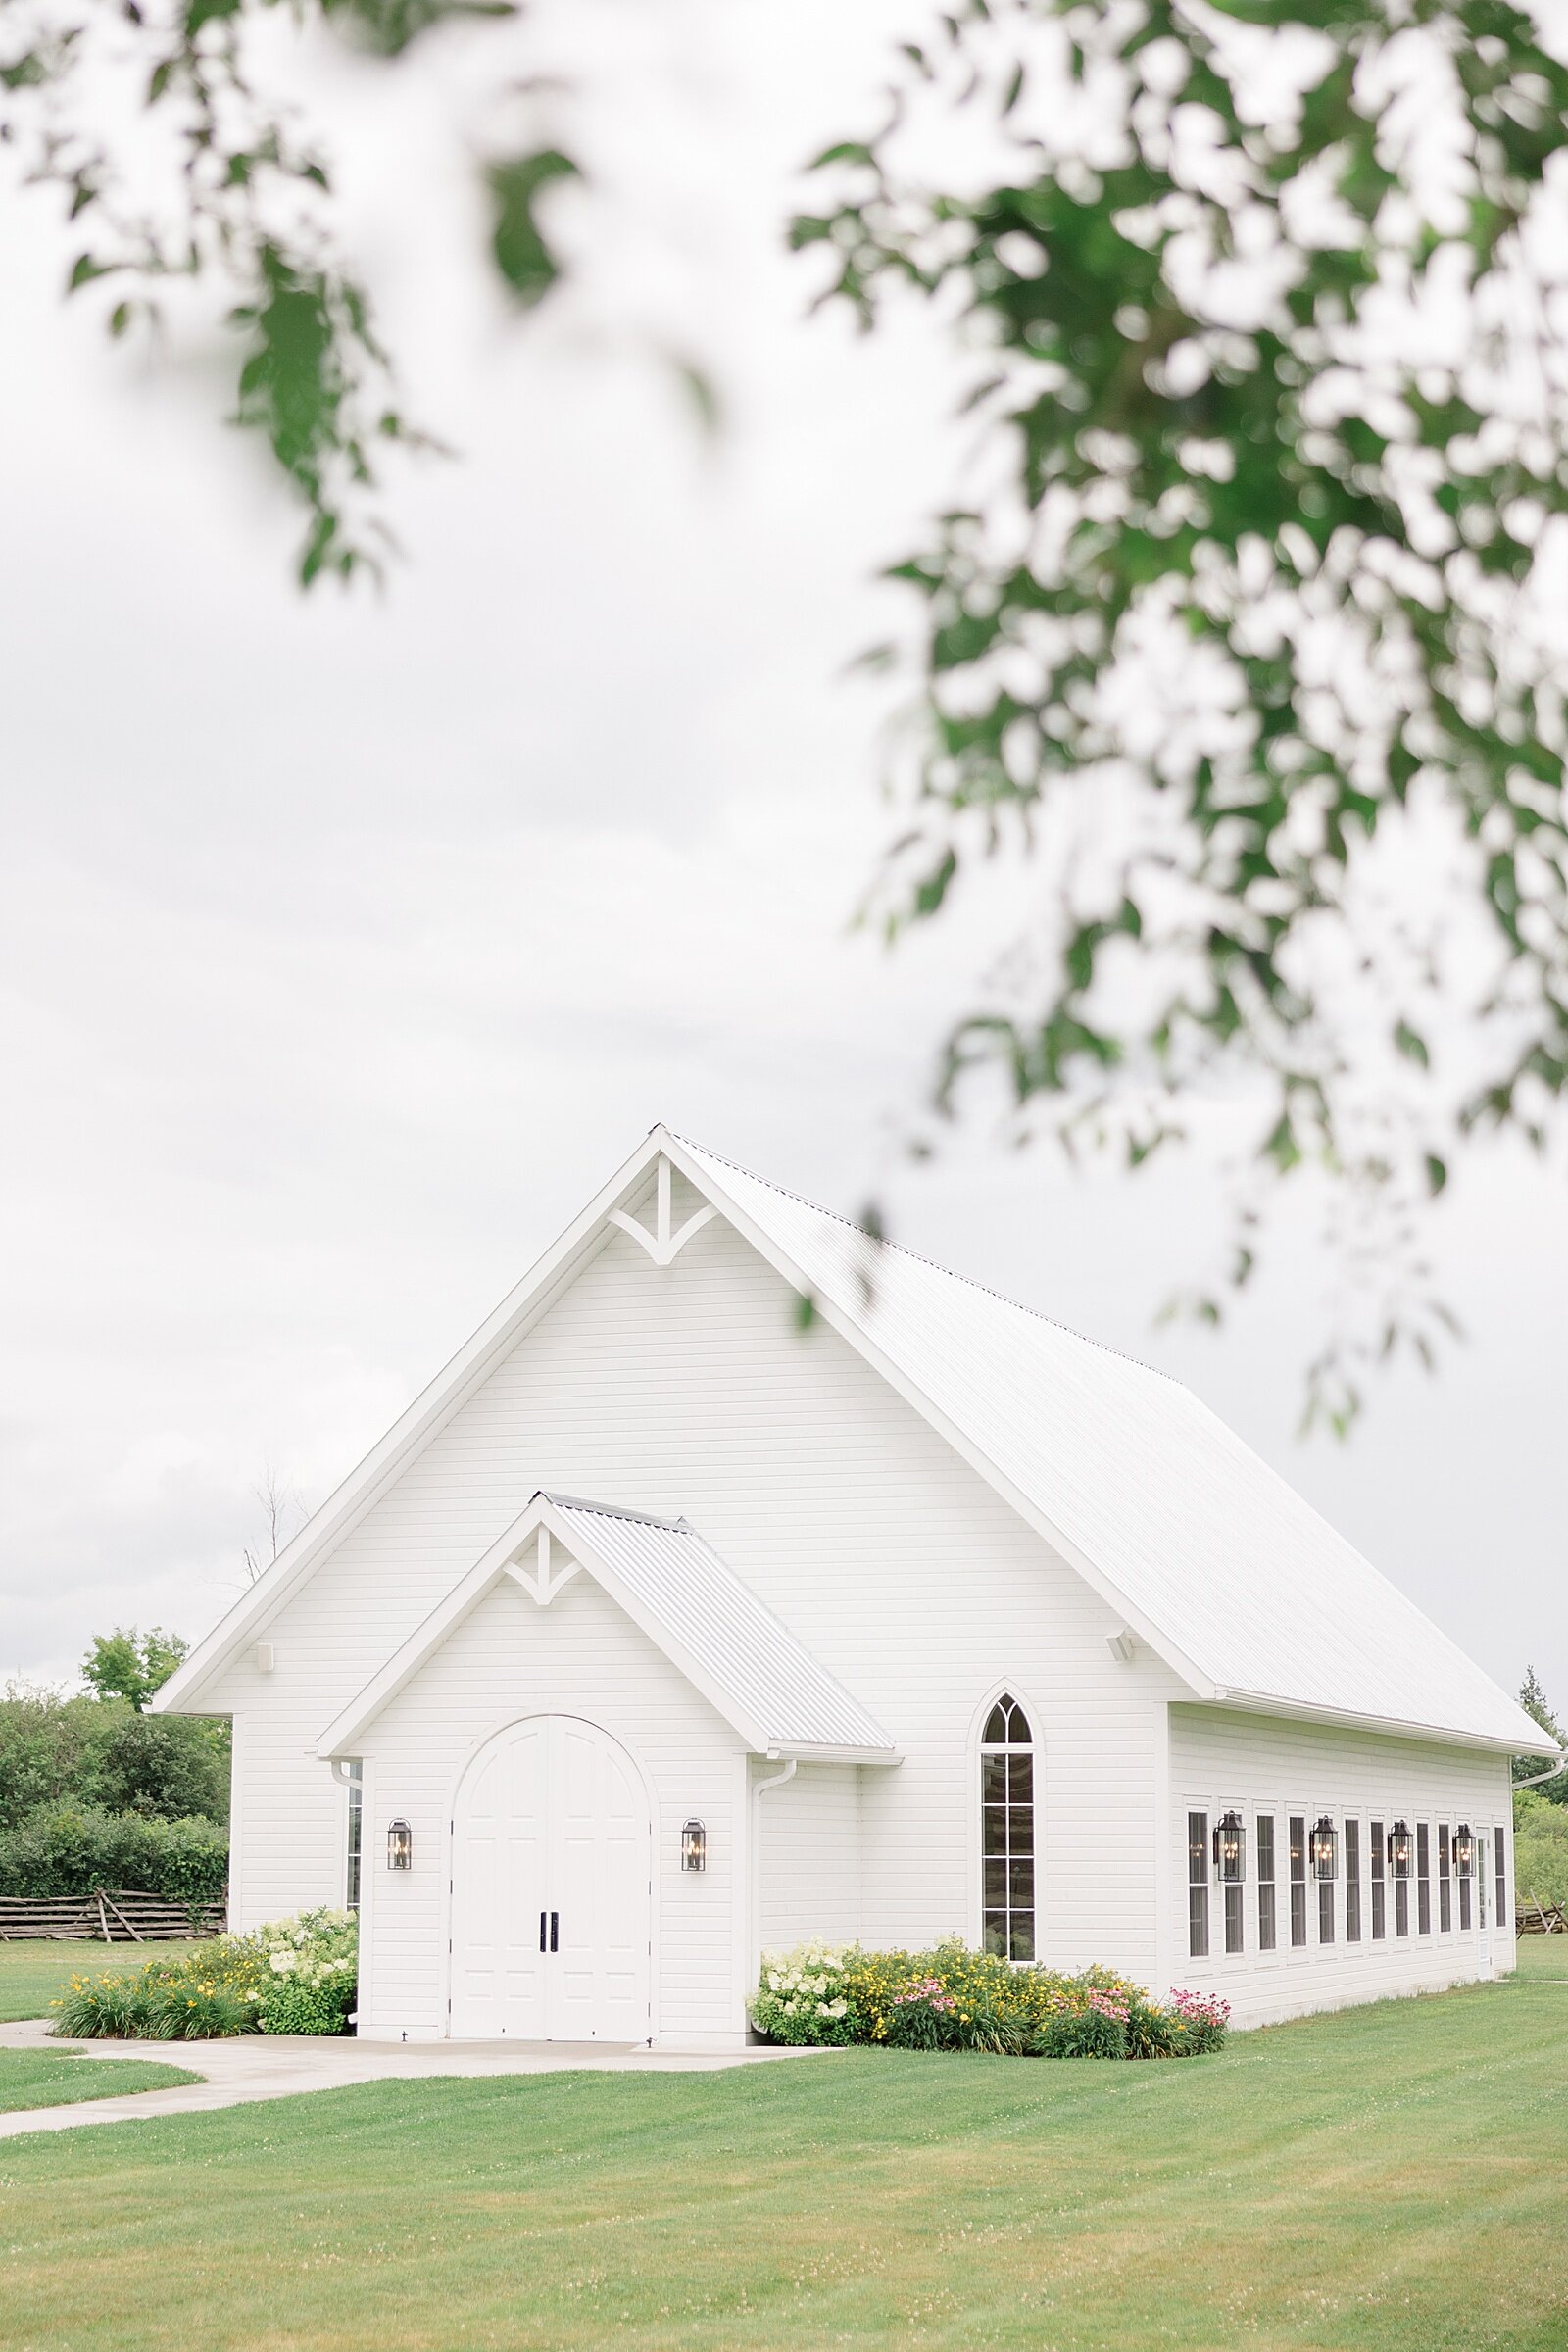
x=309, y=1967
x=954, y=1998
x=294, y=1975
x=69, y=1848
x=103, y=1753
x=1540, y=1849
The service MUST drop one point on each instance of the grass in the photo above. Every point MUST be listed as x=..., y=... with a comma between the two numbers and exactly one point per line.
x=33, y=1974
x=1389, y=2176
x=60, y=2077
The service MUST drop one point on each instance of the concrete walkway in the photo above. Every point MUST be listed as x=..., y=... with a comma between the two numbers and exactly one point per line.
x=259, y=2066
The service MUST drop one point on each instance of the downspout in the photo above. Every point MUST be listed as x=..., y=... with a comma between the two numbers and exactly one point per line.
x=760, y=1789
x=1535, y=1779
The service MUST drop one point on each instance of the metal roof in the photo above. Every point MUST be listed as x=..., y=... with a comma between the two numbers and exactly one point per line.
x=689, y=1602
x=1217, y=1559
x=773, y=1684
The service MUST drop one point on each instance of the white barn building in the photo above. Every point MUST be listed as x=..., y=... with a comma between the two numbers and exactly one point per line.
x=674, y=1623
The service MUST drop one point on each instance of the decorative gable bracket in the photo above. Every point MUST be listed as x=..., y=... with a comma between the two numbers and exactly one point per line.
x=663, y=1245
x=542, y=1582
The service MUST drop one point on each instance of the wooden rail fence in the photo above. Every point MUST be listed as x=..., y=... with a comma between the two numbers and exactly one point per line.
x=124, y=1917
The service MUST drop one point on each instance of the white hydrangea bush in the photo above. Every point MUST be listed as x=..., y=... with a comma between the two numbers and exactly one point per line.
x=800, y=1997
x=310, y=1971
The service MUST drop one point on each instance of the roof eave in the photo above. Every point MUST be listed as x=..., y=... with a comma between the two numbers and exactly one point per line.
x=1263, y=1703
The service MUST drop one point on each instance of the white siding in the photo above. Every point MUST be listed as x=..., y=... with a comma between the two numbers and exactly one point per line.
x=691, y=1390
x=1259, y=1764
x=809, y=1864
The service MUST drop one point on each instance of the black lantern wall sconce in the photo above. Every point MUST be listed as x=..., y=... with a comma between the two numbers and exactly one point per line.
x=1230, y=1850
x=1323, y=1848
x=399, y=1847
x=1399, y=1851
x=694, y=1846
x=1464, y=1851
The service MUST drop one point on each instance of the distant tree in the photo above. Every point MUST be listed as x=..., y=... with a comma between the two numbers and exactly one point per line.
x=125, y=1664
x=1534, y=1702
x=104, y=1751
x=280, y=1503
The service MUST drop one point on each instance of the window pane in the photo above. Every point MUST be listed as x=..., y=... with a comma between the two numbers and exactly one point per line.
x=1500, y=1855
x=1380, y=1919
x=1375, y=1842
x=1402, y=1906
x=1297, y=1845
x=1018, y=1730
x=1022, y=1829
x=1265, y=1846
x=992, y=1779
x=1022, y=1780
x=1023, y=1937
x=1444, y=1906
x=997, y=1933
x=1233, y=1917
x=995, y=1884
x=1197, y=1850
x=1297, y=1911
x=1021, y=1885
x=995, y=1731
x=1265, y=1918
x=1464, y=1902
x=1196, y=1921
x=996, y=1828
x=1325, y=1910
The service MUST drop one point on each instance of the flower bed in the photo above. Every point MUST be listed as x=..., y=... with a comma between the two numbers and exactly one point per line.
x=954, y=1998
x=294, y=1975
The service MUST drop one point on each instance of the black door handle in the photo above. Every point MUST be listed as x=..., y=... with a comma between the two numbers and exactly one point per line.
x=541, y=1930
x=555, y=1929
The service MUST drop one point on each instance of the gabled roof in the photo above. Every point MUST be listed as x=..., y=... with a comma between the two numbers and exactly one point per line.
x=678, y=1591
x=1200, y=1549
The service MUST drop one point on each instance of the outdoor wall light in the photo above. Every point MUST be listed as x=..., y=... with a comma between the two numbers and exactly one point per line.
x=399, y=1847
x=1399, y=1851
x=1230, y=1849
x=1464, y=1850
x=694, y=1846
x=1324, y=1847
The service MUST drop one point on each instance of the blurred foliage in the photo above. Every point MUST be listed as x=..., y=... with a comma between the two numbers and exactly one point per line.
x=1539, y=1850
x=1261, y=560
x=244, y=202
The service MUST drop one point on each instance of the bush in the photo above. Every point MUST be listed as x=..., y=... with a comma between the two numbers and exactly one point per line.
x=954, y=1998
x=294, y=1975
x=103, y=1753
x=72, y=1848
x=1539, y=1850
x=310, y=1972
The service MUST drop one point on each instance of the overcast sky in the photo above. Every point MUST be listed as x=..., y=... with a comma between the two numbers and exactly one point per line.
x=347, y=945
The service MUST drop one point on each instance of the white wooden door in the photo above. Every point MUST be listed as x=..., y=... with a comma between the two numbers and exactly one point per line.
x=552, y=1900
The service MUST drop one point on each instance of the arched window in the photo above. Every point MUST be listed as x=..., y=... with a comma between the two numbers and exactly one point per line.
x=1008, y=1831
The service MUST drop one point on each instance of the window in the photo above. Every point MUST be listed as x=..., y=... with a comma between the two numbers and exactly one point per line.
x=1265, y=1881
x=1235, y=1896
x=1380, y=1919
x=1297, y=1877
x=1444, y=1880
x=356, y=1834
x=1464, y=1900
x=1008, y=1831
x=1402, y=1906
x=1353, y=1881
x=1499, y=1855
x=1197, y=1886
x=1423, y=1878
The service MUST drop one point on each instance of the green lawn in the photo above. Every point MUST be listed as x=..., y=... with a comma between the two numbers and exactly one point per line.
x=60, y=2077
x=32, y=1974
x=1389, y=2177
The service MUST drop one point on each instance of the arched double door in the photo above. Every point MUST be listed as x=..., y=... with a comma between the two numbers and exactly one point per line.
x=552, y=1893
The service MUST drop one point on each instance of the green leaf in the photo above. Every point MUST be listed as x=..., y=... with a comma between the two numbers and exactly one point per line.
x=521, y=255
x=1412, y=1046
